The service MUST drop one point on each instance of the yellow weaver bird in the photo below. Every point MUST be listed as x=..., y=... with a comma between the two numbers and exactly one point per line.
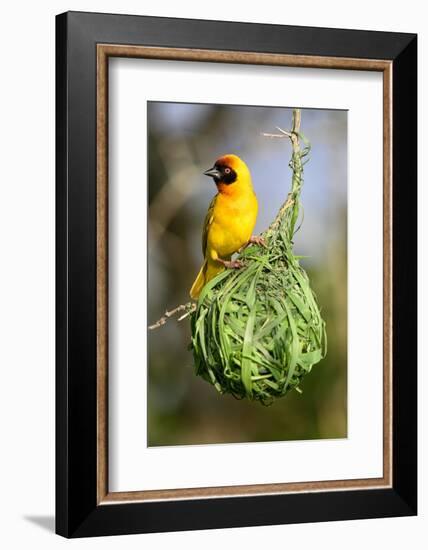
x=230, y=219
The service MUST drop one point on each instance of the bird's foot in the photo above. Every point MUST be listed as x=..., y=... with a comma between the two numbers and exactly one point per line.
x=231, y=264
x=256, y=239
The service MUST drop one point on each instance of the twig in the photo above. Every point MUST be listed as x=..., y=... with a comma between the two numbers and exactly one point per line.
x=293, y=135
x=265, y=134
x=189, y=307
x=288, y=134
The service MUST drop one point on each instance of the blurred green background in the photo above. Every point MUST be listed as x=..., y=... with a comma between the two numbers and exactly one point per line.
x=183, y=141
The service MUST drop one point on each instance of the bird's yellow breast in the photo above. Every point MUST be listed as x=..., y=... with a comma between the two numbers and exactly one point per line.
x=233, y=220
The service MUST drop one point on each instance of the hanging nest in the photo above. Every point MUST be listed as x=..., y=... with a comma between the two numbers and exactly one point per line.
x=257, y=331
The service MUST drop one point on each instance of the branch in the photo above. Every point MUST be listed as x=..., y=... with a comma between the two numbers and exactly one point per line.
x=189, y=308
x=297, y=115
x=293, y=135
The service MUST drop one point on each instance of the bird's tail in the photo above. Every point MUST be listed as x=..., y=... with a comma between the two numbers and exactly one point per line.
x=199, y=283
x=206, y=273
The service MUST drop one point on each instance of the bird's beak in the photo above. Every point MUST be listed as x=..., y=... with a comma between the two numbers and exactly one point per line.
x=213, y=173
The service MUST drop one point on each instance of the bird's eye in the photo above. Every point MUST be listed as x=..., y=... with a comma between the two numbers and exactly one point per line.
x=227, y=170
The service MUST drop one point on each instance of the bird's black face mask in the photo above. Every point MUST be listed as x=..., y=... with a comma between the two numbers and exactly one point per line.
x=222, y=174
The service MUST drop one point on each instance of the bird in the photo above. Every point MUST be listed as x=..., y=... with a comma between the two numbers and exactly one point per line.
x=230, y=219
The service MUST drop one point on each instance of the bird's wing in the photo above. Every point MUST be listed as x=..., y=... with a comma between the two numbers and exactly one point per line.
x=207, y=224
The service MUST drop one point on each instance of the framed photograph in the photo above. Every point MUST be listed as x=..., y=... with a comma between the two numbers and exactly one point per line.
x=236, y=274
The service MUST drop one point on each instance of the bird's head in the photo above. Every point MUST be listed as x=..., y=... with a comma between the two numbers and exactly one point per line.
x=228, y=172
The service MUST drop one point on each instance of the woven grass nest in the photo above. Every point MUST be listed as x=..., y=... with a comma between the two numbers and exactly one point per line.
x=257, y=331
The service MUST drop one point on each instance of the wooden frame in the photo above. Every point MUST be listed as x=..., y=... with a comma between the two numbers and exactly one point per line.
x=84, y=504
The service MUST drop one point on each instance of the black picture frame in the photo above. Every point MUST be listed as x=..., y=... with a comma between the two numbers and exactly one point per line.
x=78, y=513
